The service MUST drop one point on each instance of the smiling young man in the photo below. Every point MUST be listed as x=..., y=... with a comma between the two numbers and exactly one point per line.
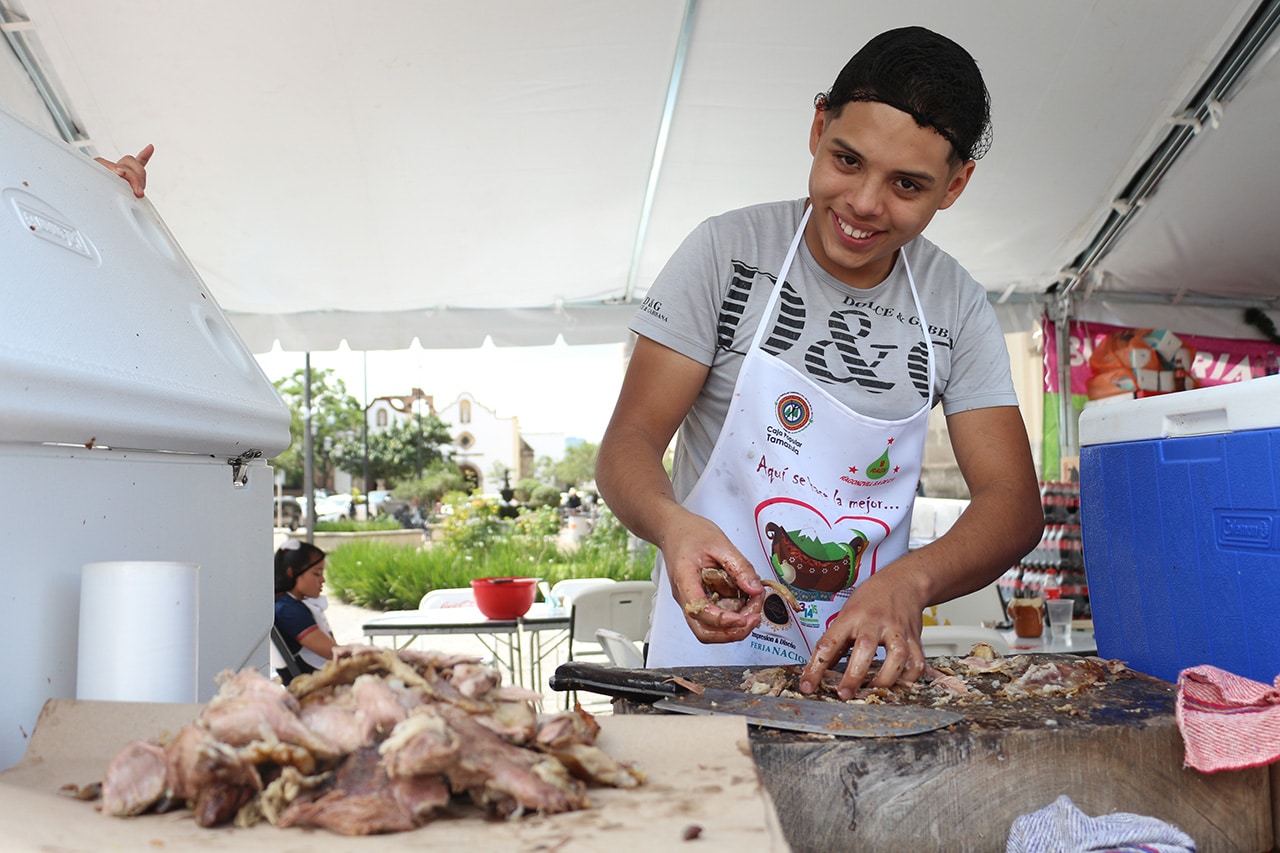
x=798, y=348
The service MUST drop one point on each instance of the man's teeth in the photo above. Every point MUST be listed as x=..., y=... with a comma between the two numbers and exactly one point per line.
x=853, y=232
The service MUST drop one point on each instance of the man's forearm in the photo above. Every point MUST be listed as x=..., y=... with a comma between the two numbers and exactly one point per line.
x=635, y=486
x=992, y=534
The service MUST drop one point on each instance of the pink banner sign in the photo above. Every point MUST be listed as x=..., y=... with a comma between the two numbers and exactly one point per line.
x=1108, y=361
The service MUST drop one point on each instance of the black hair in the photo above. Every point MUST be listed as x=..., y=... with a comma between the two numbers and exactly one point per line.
x=927, y=76
x=292, y=559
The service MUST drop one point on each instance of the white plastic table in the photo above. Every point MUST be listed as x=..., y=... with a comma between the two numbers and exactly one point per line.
x=512, y=642
x=1081, y=642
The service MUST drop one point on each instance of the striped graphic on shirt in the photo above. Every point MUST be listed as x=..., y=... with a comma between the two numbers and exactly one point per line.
x=849, y=355
x=734, y=304
x=845, y=339
x=791, y=312
x=790, y=323
x=918, y=368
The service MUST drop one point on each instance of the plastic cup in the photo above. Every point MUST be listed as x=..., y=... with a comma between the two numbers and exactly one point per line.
x=1060, y=612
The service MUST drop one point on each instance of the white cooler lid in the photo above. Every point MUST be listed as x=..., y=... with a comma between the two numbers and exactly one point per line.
x=1235, y=407
x=108, y=336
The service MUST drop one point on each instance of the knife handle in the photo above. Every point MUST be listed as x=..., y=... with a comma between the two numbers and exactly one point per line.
x=643, y=685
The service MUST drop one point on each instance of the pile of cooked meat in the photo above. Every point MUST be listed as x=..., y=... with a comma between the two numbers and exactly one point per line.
x=981, y=676
x=377, y=741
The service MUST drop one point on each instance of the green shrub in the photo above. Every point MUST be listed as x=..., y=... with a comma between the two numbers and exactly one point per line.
x=387, y=577
x=524, y=489
x=350, y=525
x=545, y=495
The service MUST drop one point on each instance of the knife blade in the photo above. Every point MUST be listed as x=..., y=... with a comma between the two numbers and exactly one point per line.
x=806, y=715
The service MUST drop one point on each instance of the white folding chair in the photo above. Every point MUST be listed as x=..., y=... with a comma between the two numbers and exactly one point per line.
x=623, y=606
x=564, y=591
x=620, y=650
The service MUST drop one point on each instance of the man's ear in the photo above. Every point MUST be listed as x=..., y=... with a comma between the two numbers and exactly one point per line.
x=957, y=182
x=815, y=132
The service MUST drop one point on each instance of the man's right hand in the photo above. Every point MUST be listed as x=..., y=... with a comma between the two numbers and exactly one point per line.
x=132, y=168
x=694, y=543
x=657, y=393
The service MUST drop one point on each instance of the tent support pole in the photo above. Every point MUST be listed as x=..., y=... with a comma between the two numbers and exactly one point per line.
x=19, y=31
x=1068, y=443
x=308, y=450
x=660, y=144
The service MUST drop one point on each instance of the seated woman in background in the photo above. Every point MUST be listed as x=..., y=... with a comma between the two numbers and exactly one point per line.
x=300, y=607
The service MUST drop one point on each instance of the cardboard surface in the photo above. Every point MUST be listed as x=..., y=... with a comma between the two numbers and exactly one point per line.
x=699, y=770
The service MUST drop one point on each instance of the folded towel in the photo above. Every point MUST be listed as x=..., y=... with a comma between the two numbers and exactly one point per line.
x=1063, y=828
x=1227, y=722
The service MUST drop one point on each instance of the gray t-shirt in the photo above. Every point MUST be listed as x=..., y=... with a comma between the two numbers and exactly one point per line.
x=864, y=347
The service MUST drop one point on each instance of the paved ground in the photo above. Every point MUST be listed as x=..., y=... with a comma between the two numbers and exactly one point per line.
x=346, y=619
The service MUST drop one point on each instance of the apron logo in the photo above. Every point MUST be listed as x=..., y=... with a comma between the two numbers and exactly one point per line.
x=812, y=567
x=794, y=413
x=880, y=467
x=875, y=472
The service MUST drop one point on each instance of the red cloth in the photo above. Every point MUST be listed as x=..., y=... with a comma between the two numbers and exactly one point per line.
x=1227, y=722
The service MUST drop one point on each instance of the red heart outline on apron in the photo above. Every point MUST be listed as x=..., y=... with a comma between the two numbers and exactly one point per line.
x=815, y=578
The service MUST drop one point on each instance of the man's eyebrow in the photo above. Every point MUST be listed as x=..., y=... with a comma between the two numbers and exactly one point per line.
x=924, y=178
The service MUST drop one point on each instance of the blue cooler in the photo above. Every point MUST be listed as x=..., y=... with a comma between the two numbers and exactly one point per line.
x=1180, y=517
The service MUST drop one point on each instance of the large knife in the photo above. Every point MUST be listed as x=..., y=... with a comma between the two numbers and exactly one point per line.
x=667, y=693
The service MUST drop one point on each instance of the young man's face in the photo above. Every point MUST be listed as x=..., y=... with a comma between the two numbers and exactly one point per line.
x=876, y=181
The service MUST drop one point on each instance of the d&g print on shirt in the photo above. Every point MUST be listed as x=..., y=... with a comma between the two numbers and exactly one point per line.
x=847, y=351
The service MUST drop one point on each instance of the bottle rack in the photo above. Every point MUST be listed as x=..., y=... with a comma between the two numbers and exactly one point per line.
x=1059, y=553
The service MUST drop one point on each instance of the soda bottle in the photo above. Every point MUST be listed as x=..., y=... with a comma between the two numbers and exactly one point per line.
x=1051, y=589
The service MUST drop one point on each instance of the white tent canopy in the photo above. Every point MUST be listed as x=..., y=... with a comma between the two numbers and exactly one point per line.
x=398, y=169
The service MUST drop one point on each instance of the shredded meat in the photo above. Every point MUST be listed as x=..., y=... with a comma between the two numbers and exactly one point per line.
x=377, y=741
x=983, y=675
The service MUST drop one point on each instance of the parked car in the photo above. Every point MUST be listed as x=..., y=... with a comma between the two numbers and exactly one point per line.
x=287, y=512
x=404, y=512
x=334, y=508
x=377, y=499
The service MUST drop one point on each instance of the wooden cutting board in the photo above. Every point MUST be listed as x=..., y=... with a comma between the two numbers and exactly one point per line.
x=1114, y=748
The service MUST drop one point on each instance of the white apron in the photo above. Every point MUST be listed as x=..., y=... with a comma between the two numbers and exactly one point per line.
x=814, y=494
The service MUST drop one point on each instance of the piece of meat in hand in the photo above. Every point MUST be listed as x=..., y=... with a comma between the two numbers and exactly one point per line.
x=721, y=591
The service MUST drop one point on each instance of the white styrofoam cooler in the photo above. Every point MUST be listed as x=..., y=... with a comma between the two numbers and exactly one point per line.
x=134, y=424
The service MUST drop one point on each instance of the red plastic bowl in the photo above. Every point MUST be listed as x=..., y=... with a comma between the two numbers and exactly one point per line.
x=504, y=598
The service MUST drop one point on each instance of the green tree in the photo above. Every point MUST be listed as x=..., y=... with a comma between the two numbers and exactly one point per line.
x=578, y=465
x=525, y=486
x=335, y=417
x=396, y=452
x=435, y=483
